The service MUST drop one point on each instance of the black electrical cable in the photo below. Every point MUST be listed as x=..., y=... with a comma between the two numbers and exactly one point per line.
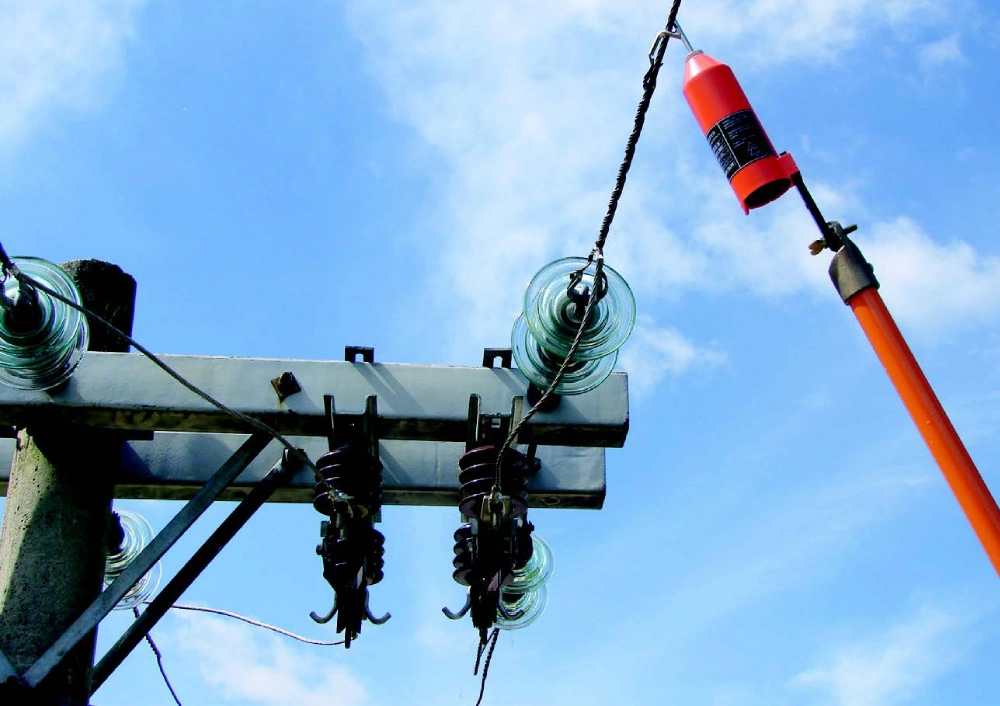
x=486, y=665
x=159, y=660
x=648, y=87
x=9, y=268
x=597, y=254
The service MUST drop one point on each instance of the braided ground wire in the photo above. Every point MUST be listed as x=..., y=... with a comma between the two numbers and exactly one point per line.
x=648, y=87
x=597, y=254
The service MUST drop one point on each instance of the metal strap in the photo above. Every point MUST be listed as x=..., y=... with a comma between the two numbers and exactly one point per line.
x=165, y=539
x=158, y=607
x=7, y=670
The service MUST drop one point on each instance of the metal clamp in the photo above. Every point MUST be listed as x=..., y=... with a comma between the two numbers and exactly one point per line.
x=492, y=355
x=367, y=354
x=7, y=671
x=153, y=552
x=850, y=271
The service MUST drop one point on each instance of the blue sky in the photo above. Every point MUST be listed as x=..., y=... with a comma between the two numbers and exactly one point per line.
x=284, y=179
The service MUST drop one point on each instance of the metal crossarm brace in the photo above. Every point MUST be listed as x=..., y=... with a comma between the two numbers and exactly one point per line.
x=7, y=670
x=153, y=552
x=174, y=465
x=158, y=607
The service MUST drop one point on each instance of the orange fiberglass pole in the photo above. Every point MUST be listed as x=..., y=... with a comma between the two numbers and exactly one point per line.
x=854, y=279
x=931, y=420
x=759, y=175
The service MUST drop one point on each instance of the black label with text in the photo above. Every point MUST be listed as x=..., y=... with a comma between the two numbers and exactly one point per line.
x=738, y=140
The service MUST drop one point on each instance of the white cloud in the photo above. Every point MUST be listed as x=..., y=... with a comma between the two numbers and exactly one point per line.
x=930, y=286
x=653, y=353
x=243, y=663
x=889, y=668
x=942, y=52
x=55, y=55
x=819, y=30
x=774, y=550
x=767, y=253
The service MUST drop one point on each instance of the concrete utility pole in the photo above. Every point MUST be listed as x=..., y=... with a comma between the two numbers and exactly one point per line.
x=53, y=542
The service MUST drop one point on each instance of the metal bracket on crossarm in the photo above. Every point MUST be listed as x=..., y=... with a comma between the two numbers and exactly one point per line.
x=153, y=552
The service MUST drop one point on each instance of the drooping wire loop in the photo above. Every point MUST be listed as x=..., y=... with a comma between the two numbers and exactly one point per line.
x=553, y=314
x=42, y=340
x=136, y=533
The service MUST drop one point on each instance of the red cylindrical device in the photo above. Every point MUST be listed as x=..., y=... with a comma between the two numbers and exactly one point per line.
x=756, y=173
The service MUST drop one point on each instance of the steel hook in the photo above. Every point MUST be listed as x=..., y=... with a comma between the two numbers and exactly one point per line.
x=372, y=618
x=328, y=617
x=460, y=614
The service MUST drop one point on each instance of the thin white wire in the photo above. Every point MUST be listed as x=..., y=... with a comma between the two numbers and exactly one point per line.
x=251, y=621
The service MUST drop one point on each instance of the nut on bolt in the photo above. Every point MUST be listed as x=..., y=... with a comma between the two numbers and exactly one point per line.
x=285, y=385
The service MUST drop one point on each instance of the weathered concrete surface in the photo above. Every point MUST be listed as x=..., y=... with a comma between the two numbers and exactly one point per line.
x=108, y=292
x=52, y=549
x=52, y=546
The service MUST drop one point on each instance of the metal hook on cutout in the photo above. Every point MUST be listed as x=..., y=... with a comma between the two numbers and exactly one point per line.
x=462, y=613
x=329, y=616
x=368, y=613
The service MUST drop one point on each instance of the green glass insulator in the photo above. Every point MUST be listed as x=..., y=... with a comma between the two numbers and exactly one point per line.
x=525, y=595
x=537, y=571
x=540, y=366
x=43, y=341
x=527, y=606
x=553, y=316
x=136, y=534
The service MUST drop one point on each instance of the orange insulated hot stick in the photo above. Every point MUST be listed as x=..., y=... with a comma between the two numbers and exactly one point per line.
x=759, y=176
